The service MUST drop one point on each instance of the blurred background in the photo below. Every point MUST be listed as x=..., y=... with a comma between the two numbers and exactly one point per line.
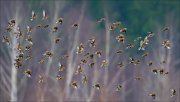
x=138, y=16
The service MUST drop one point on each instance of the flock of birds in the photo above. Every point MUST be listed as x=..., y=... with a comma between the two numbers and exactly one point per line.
x=88, y=57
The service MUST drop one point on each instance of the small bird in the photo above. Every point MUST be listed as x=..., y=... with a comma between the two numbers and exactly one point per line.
x=119, y=51
x=130, y=46
x=29, y=29
x=57, y=40
x=18, y=63
x=59, y=20
x=123, y=30
x=6, y=40
x=153, y=95
x=83, y=61
x=48, y=54
x=155, y=71
x=74, y=84
x=98, y=53
x=84, y=79
x=145, y=54
x=33, y=17
x=60, y=67
x=104, y=63
x=173, y=92
x=92, y=42
x=165, y=29
x=121, y=38
x=75, y=25
x=45, y=16
x=97, y=86
x=80, y=48
x=118, y=88
x=29, y=39
x=101, y=20
x=28, y=72
x=150, y=63
x=59, y=77
x=79, y=70
x=166, y=44
x=41, y=79
x=120, y=65
x=55, y=29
